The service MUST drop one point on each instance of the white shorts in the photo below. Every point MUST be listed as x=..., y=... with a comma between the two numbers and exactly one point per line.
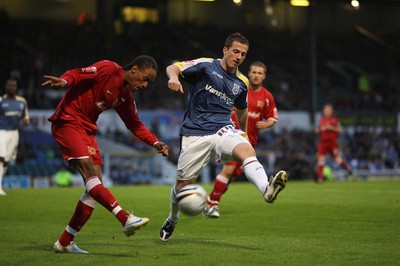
x=196, y=151
x=8, y=144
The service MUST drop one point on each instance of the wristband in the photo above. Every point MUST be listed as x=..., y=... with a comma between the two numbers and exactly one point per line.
x=155, y=143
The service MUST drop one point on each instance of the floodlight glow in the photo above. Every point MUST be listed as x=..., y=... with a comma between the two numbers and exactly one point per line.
x=238, y=2
x=355, y=4
x=299, y=2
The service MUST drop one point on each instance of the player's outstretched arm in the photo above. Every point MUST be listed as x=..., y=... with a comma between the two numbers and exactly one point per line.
x=54, y=82
x=173, y=83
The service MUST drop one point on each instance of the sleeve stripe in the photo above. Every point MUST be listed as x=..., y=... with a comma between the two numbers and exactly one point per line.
x=186, y=64
x=242, y=78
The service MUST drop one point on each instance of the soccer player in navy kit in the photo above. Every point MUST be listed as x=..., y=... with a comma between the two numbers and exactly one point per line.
x=216, y=87
x=13, y=110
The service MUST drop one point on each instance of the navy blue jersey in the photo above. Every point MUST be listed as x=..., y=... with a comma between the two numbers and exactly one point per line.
x=12, y=110
x=213, y=94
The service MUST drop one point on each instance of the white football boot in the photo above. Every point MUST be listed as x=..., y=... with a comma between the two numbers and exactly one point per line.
x=133, y=224
x=276, y=185
x=212, y=212
x=212, y=208
x=71, y=248
x=2, y=193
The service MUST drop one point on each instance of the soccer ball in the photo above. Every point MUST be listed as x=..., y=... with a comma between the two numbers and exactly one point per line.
x=192, y=199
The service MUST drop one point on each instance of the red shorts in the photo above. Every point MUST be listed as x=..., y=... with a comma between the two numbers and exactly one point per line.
x=76, y=143
x=238, y=169
x=328, y=148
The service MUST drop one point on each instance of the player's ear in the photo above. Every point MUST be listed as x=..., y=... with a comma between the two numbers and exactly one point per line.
x=134, y=69
x=224, y=50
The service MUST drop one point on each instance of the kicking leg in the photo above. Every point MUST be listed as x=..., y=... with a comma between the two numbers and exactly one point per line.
x=169, y=225
x=255, y=173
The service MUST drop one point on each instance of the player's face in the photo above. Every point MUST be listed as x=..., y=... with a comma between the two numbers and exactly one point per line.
x=235, y=55
x=11, y=87
x=328, y=110
x=256, y=76
x=140, y=78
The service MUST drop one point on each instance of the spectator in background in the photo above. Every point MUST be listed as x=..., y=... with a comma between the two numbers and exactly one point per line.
x=13, y=111
x=63, y=177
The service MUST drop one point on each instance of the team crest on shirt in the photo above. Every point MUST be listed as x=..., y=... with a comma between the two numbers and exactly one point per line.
x=91, y=150
x=235, y=89
x=260, y=104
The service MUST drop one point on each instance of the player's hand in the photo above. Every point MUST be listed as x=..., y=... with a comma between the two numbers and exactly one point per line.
x=54, y=82
x=25, y=122
x=175, y=85
x=162, y=148
x=261, y=125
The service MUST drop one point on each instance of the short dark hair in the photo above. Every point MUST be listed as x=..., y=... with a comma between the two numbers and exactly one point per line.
x=12, y=80
x=259, y=64
x=235, y=37
x=143, y=61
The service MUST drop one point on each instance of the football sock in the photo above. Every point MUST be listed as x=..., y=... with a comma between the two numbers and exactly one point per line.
x=220, y=186
x=174, y=210
x=320, y=172
x=345, y=166
x=82, y=213
x=255, y=173
x=1, y=174
x=103, y=196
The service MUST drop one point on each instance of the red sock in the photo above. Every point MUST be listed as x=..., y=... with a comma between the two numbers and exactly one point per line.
x=320, y=172
x=103, y=196
x=345, y=166
x=220, y=186
x=82, y=213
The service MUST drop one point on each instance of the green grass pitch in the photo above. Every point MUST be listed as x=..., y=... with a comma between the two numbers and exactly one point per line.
x=337, y=223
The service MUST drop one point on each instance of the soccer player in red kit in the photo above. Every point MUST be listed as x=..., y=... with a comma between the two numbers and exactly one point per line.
x=92, y=90
x=329, y=130
x=262, y=113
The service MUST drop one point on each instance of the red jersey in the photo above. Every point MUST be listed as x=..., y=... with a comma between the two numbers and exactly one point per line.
x=328, y=135
x=95, y=89
x=261, y=105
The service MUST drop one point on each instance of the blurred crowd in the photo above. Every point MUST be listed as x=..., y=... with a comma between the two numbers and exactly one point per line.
x=364, y=149
x=355, y=73
x=368, y=149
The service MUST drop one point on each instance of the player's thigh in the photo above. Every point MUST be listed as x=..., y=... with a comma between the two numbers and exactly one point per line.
x=75, y=143
x=195, y=153
x=323, y=149
x=227, y=142
x=3, y=144
x=8, y=144
x=12, y=149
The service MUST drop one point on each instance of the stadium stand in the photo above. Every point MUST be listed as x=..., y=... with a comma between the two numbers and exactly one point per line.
x=28, y=51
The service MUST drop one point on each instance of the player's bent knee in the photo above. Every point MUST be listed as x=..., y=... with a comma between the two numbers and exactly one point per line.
x=243, y=151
